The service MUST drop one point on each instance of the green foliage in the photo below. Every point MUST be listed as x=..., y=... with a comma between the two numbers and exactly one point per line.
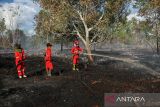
x=2, y=26
x=150, y=9
x=58, y=16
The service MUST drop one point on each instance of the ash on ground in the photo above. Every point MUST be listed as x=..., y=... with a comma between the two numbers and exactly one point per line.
x=86, y=88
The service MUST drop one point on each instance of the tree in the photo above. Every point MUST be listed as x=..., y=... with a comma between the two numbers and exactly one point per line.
x=14, y=13
x=2, y=31
x=85, y=16
x=10, y=37
x=150, y=10
x=2, y=26
x=20, y=37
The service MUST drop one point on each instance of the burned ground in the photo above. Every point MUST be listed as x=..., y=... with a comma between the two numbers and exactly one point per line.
x=71, y=89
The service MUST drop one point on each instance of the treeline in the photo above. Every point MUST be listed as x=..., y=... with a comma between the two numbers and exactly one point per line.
x=9, y=37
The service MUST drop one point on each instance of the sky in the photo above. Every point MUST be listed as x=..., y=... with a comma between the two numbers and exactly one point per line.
x=134, y=12
x=3, y=1
x=26, y=11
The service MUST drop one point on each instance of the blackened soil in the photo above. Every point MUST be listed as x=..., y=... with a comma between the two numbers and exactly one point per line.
x=67, y=88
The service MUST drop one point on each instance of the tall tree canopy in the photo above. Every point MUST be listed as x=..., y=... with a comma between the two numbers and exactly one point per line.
x=84, y=16
x=150, y=10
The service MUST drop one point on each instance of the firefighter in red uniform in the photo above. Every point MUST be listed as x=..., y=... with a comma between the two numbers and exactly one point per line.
x=76, y=50
x=19, y=60
x=48, y=59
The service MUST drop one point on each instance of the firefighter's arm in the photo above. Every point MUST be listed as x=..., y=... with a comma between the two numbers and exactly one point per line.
x=80, y=50
x=45, y=55
x=17, y=57
x=48, y=57
x=72, y=51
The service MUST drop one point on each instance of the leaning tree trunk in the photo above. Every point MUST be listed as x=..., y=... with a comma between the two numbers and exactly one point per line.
x=89, y=54
x=157, y=39
x=88, y=49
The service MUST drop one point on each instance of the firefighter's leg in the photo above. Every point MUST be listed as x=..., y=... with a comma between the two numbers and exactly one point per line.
x=74, y=63
x=19, y=74
x=49, y=73
x=47, y=68
x=23, y=71
x=19, y=71
x=74, y=67
x=77, y=61
x=77, y=67
x=51, y=68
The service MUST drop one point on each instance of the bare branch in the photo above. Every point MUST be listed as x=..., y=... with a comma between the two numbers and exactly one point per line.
x=79, y=34
x=94, y=38
x=99, y=20
x=84, y=23
x=99, y=41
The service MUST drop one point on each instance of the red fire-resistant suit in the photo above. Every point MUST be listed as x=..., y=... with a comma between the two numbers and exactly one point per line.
x=75, y=51
x=48, y=59
x=19, y=60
